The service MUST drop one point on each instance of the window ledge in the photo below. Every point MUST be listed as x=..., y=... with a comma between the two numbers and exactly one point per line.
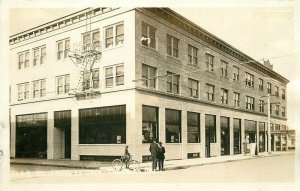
x=149, y=48
x=172, y=57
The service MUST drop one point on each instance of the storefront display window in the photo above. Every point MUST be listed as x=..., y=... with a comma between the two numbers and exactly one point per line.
x=150, y=124
x=193, y=127
x=173, y=126
x=237, y=135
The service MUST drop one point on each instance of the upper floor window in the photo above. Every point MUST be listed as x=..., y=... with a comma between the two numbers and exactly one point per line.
x=23, y=59
x=283, y=111
x=224, y=96
x=249, y=79
x=269, y=88
x=23, y=91
x=39, y=55
x=114, y=35
x=283, y=93
x=276, y=91
x=270, y=108
x=173, y=83
x=209, y=59
x=148, y=35
x=114, y=72
x=149, y=76
x=236, y=99
x=236, y=73
x=91, y=40
x=193, y=88
x=63, y=48
x=62, y=84
x=261, y=84
x=172, y=46
x=224, y=68
x=90, y=80
x=39, y=88
x=277, y=110
x=249, y=103
x=261, y=106
x=210, y=92
x=192, y=55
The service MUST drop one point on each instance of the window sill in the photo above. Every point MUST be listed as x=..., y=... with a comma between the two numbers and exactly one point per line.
x=172, y=57
x=113, y=47
x=149, y=48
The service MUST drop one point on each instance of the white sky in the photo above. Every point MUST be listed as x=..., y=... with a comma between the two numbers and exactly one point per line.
x=260, y=32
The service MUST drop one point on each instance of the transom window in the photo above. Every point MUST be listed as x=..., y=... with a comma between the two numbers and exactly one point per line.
x=23, y=60
x=249, y=103
x=62, y=84
x=148, y=35
x=114, y=35
x=23, y=91
x=224, y=96
x=63, y=49
x=192, y=55
x=249, y=79
x=173, y=83
x=114, y=72
x=209, y=59
x=224, y=69
x=148, y=76
x=236, y=73
x=210, y=92
x=236, y=99
x=172, y=46
x=193, y=88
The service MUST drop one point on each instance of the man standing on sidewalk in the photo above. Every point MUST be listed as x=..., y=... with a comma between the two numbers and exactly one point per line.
x=153, y=150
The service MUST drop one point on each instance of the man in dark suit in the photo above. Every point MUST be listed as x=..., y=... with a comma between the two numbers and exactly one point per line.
x=153, y=150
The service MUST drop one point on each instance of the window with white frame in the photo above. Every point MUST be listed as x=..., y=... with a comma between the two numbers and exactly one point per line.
x=224, y=69
x=236, y=73
x=209, y=59
x=283, y=93
x=63, y=49
x=261, y=105
x=62, y=84
x=39, y=55
x=224, y=96
x=23, y=91
x=193, y=86
x=249, y=79
x=210, y=92
x=114, y=35
x=192, y=55
x=148, y=76
x=269, y=87
x=261, y=84
x=249, y=103
x=236, y=99
x=90, y=80
x=276, y=92
x=148, y=35
x=283, y=111
x=39, y=88
x=173, y=83
x=172, y=46
x=91, y=40
x=114, y=72
x=23, y=60
x=277, y=109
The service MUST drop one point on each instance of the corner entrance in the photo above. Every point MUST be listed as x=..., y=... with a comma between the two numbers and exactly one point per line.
x=62, y=124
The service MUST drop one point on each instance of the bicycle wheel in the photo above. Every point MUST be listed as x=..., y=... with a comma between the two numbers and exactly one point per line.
x=134, y=165
x=117, y=165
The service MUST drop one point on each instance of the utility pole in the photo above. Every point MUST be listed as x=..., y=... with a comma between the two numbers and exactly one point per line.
x=269, y=124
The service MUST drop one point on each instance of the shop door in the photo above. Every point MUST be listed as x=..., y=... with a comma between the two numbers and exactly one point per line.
x=67, y=142
x=207, y=142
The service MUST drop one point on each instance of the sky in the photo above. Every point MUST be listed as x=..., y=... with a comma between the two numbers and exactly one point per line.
x=262, y=32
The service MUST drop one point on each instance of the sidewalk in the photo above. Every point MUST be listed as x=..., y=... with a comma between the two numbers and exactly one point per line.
x=169, y=165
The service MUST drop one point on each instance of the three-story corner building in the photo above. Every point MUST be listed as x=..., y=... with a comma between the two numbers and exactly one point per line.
x=157, y=76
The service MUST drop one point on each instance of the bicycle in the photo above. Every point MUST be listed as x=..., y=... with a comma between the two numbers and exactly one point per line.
x=119, y=164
